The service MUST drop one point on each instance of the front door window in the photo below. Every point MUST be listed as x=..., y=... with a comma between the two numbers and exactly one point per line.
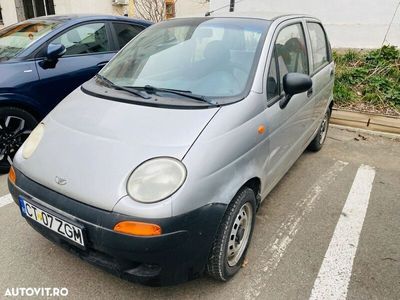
x=85, y=39
x=290, y=56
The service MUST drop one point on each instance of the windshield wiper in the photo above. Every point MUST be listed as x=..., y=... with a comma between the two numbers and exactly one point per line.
x=122, y=88
x=188, y=94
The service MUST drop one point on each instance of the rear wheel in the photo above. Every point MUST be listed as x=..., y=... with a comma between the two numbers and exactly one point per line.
x=233, y=236
x=317, y=143
x=15, y=126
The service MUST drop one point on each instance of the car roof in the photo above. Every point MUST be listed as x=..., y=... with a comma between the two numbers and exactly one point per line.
x=264, y=15
x=72, y=18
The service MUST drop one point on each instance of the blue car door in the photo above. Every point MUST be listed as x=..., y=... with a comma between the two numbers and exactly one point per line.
x=88, y=49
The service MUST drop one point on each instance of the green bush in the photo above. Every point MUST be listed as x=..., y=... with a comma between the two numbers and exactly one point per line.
x=370, y=77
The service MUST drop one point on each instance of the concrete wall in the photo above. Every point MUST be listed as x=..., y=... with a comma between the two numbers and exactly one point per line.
x=184, y=8
x=350, y=23
x=87, y=7
x=9, y=12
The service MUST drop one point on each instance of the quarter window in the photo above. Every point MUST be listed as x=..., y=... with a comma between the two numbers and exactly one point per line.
x=273, y=79
x=290, y=56
x=85, y=39
x=126, y=32
x=319, y=45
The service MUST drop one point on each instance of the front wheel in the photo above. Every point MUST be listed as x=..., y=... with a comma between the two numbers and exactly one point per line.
x=233, y=236
x=317, y=143
x=15, y=126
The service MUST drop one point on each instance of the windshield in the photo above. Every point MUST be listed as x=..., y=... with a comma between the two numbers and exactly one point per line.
x=208, y=57
x=17, y=38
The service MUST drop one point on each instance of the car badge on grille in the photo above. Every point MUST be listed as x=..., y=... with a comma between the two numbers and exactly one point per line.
x=60, y=181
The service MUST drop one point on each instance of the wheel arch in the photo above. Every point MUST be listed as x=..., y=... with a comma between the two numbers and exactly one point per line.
x=30, y=108
x=331, y=105
x=254, y=184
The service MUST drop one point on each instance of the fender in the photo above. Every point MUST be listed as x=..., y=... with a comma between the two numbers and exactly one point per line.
x=24, y=102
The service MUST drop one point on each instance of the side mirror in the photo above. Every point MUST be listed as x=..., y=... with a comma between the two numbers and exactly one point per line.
x=293, y=84
x=55, y=51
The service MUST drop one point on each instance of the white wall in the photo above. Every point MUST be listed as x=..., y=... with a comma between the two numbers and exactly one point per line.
x=86, y=7
x=350, y=23
x=185, y=8
x=8, y=12
x=66, y=7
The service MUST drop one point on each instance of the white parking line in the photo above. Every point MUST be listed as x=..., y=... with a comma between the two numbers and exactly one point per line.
x=335, y=272
x=5, y=200
x=272, y=254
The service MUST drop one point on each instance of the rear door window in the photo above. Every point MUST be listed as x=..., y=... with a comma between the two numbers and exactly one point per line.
x=125, y=32
x=319, y=45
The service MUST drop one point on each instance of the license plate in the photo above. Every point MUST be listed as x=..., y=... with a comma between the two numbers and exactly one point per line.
x=54, y=223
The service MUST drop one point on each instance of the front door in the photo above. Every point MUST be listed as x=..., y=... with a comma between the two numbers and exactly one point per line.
x=88, y=49
x=288, y=127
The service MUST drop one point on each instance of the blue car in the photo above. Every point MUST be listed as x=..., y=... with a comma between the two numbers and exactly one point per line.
x=42, y=60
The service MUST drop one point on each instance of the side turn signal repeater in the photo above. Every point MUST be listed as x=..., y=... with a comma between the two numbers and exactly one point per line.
x=137, y=228
x=11, y=175
x=261, y=129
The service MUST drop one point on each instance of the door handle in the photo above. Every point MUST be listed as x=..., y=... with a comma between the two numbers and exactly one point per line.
x=102, y=64
x=310, y=92
x=332, y=73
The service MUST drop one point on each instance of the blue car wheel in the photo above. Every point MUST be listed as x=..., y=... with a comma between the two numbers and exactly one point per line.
x=15, y=126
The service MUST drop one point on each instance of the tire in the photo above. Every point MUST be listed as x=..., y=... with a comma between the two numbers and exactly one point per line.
x=317, y=143
x=242, y=209
x=15, y=126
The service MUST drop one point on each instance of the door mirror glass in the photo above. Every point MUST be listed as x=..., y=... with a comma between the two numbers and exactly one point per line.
x=294, y=83
x=55, y=51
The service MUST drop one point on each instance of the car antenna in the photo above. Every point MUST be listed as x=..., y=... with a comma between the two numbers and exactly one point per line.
x=231, y=6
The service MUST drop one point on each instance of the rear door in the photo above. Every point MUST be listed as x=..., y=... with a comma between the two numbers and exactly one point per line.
x=288, y=127
x=322, y=68
x=88, y=49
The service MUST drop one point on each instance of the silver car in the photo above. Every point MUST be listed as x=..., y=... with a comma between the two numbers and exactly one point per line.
x=155, y=168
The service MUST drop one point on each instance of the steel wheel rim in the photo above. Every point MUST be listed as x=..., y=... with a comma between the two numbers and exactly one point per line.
x=240, y=234
x=324, y=129
x=13, y=133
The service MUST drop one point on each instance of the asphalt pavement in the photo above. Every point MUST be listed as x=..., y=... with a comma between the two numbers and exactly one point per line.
x=330, y=229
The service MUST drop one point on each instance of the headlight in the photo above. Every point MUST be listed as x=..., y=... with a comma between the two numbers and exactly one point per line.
x=32, y=141
x=156, y=179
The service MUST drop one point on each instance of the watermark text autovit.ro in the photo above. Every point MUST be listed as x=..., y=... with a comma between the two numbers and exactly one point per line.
x=36, y=291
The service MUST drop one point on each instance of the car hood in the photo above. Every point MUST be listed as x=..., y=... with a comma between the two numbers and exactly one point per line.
x=95, y=144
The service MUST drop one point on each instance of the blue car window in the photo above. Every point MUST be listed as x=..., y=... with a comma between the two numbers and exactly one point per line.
x=126, y=32
x=85, y=39
x=16, y=38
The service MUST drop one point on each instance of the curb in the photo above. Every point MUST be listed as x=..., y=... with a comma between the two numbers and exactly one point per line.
x=391, y=136
x=371, y=122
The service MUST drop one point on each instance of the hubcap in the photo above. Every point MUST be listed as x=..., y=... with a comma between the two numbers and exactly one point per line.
x=324, y=129
x=13, y=133
x=240, y=233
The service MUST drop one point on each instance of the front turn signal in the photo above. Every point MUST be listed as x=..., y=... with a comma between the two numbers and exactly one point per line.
x=11, y=175
x=137, y=228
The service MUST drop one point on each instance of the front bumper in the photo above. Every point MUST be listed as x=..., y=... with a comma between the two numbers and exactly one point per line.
x=178, y=255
